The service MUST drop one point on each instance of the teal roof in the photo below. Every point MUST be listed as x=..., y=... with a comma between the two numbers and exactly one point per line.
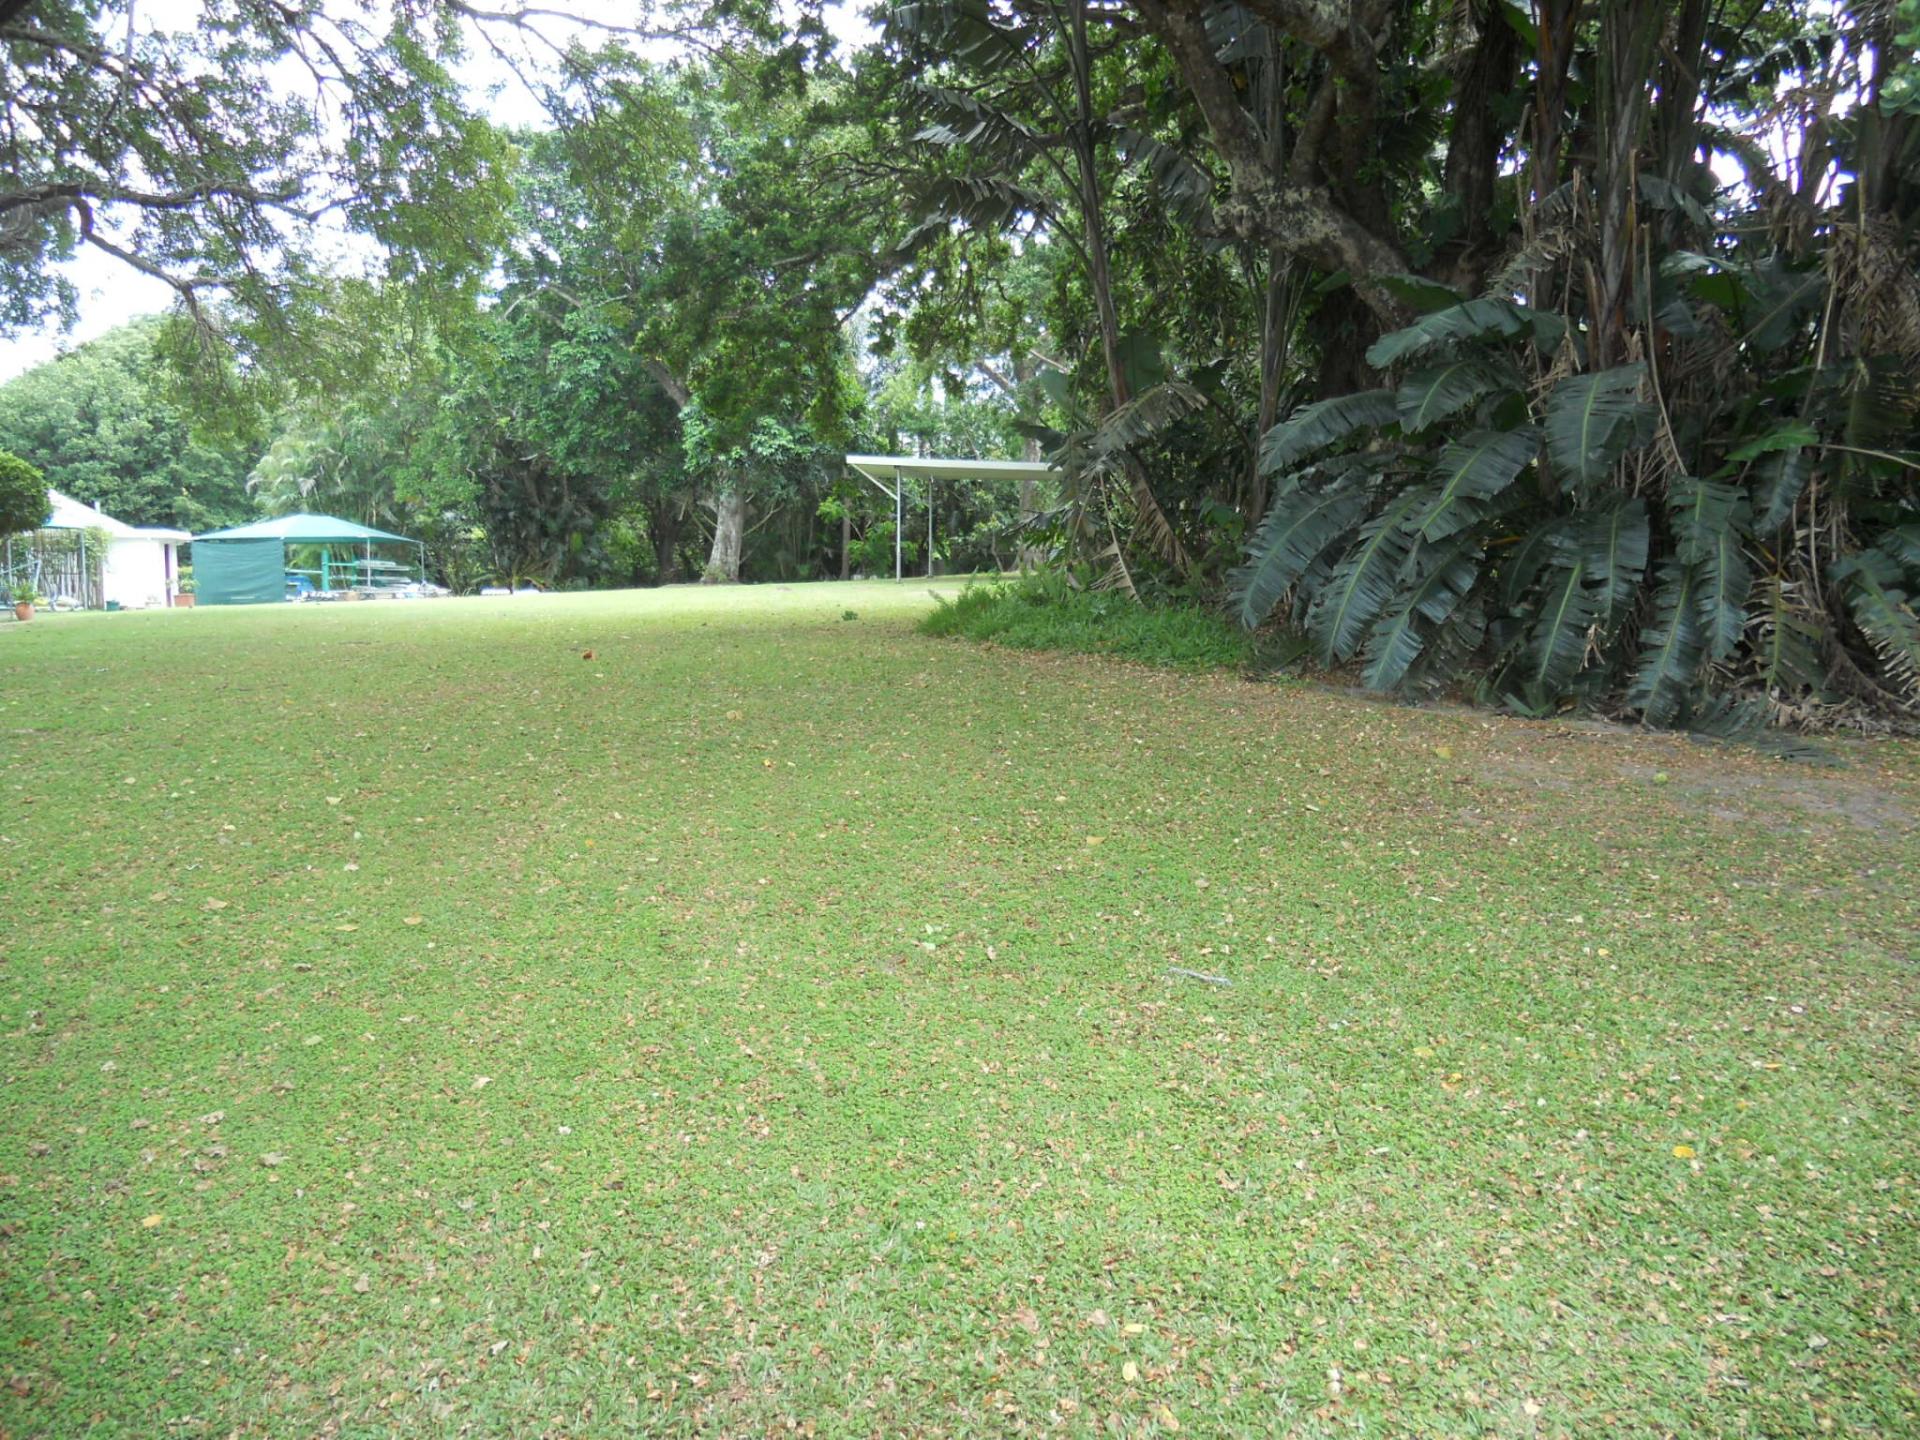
x=305, y=530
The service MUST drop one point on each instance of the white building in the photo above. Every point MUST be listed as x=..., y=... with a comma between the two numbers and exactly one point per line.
x=141, y=567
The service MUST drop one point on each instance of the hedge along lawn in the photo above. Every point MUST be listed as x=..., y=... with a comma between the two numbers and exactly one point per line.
x=413, y=1027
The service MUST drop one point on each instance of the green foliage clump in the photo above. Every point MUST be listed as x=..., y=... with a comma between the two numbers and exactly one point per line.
x=23, y=495
x=103, y=425
x=1043, y=613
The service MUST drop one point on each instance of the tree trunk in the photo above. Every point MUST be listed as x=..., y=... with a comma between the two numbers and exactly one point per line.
x=1099, y=275
x=729, y=537
x=846, y=542
x=663, y=528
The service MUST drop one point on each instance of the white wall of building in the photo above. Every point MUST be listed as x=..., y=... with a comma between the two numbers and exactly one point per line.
x=137, y=574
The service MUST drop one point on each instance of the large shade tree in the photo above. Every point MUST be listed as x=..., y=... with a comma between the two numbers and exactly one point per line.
x=103, y=423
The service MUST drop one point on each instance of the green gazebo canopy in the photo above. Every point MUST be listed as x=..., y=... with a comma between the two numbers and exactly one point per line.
x=307, y=530
x=246, y=564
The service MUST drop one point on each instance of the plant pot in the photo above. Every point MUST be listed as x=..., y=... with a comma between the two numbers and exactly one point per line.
x=23, y=611
x=183, y=602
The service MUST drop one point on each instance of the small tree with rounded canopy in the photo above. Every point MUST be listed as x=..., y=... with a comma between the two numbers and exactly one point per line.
x=23, y=496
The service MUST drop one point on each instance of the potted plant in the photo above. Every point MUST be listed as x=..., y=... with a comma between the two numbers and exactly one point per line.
x=183, y=594
x=25, y=597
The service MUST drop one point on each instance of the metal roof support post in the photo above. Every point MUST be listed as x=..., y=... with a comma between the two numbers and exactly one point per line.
x=929, y=527
x=899, y=519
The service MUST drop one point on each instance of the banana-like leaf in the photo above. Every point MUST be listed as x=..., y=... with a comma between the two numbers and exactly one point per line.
x=1363, y=582
x=1454, y=643
x=975, y=201
x=1782, y=477
x=1446, y=573
x=1145, y=416
x=1422, y=294
x=1726, y=580
x=958, y=27
x=1557, y=645
x=1434, y=393
x=967, y=120
x=1594, y=419
x=1787, y=435
x=1298, y=529
x=1670, y=650
x=1788, y=641
x=1184, y=183
x=1325, y=423
x=1470, y=472
x=1519, y=565
x=1882, y=600
x=1700, y=510
x=1613, y=548
x=1902, y=542
x=1487, y=318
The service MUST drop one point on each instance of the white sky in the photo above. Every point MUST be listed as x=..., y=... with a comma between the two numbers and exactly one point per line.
x=111, y=293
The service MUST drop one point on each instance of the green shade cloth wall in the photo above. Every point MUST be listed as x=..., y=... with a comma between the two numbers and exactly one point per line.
x=239, y=572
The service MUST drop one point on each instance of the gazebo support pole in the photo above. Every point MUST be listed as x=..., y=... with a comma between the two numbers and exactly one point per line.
x=326, y=565
x=899, y=519
x=929, y=527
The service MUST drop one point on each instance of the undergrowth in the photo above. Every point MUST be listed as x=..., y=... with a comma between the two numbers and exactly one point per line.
x=1043, y=613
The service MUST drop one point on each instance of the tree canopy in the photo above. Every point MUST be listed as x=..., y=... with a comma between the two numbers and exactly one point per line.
x=1562, y=351
x=103, y=425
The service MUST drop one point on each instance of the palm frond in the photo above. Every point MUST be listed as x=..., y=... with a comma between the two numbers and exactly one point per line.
x=1556, y=646
x=1699, y=511
x=1726, y=579
x=1782, y=476
x=1145, y=416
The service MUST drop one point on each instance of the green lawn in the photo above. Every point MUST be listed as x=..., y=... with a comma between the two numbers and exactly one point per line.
x=414, y=1028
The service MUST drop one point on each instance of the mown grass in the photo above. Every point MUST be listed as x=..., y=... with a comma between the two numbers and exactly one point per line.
x=1036, y=614
x=412, y=1027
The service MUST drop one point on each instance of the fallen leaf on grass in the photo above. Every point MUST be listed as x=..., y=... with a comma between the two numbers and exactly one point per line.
x=482, y=1081
x=1130, y=1372
x=362, y=1285
x=272, y=1158
x=151, y=1221
x=218, y=904
x=414, y=920
x=1683, y=1152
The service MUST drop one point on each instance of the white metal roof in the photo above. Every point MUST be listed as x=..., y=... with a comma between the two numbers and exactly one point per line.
x=71, y=514
x=882, y=468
